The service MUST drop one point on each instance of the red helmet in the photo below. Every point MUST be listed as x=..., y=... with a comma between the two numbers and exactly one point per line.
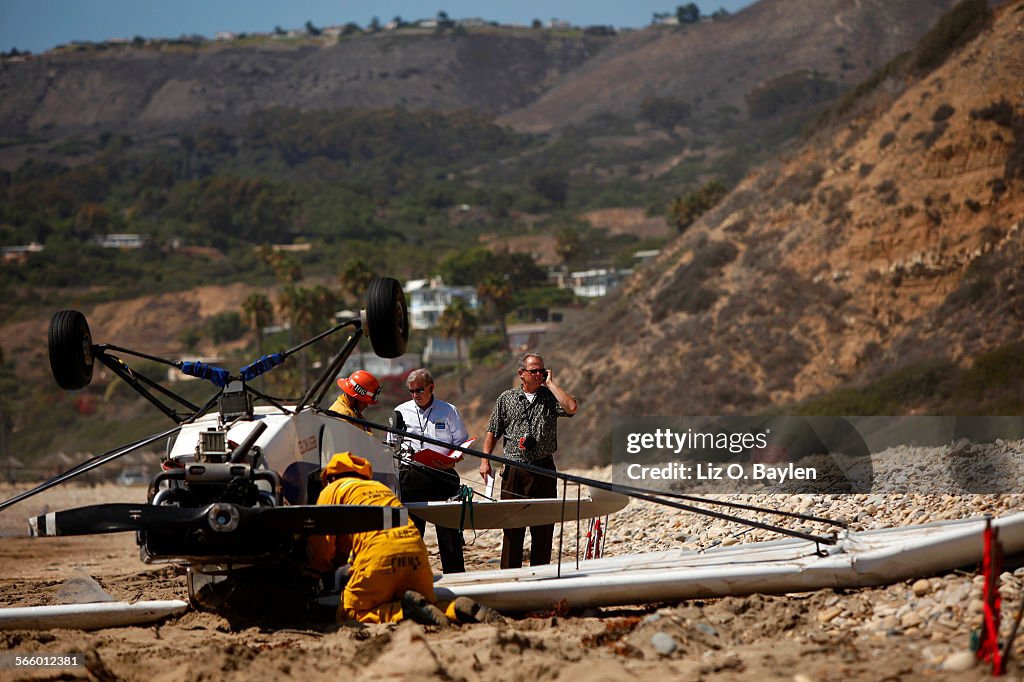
x=362, y=386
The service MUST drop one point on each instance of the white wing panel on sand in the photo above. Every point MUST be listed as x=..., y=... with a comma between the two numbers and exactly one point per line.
x=858, y=560
x=89, y=616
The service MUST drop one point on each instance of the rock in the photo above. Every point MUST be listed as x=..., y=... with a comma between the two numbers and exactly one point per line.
x=663, y=643
x=921, y=587
x=911, y=619
x=706, y=629
x=961, y=447
x=961, y=661
x=829, y=614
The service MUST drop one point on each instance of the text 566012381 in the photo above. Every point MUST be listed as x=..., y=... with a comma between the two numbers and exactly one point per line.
x=13, y=659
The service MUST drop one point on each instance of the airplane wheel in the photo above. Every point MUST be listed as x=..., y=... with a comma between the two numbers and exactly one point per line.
x=70, y=348
x=387, y=317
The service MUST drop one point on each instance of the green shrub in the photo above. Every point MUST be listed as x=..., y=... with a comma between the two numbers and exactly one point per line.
x=895, y=393
x=943, y=112
x=799, y=89
x=955, y=28
x=226, y=326
x=485, y=345
x=690, y=291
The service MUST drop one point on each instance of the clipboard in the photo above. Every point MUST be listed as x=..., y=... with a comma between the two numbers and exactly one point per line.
x=441, y=460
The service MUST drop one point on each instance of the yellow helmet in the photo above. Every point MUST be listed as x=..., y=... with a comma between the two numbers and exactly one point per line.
x=347, y=463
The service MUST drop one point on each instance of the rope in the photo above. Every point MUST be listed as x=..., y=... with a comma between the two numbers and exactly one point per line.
x=653, y=496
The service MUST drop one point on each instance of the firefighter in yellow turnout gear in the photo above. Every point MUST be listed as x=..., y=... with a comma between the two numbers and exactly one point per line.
x=390, y=577
x=386, y=563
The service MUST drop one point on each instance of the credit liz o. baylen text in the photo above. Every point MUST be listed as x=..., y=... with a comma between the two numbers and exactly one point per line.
x=677, y=471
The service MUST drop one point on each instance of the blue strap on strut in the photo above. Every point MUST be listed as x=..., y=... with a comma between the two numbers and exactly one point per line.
x=219, y=377
x=264, y=364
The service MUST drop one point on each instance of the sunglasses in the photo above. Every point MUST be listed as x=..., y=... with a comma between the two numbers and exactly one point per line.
x=417, y=391
x=536, y=371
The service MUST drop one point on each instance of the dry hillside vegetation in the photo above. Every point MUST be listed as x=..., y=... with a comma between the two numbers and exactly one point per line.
x=765, y=59
x=894, y=238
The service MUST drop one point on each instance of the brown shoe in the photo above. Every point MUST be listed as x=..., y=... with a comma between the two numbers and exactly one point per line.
x=469, y=611
x=417, y=608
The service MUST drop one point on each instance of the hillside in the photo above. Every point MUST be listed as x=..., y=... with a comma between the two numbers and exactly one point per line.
x=409, y=192
x=761, y=63
x=892, y=239
x=769, y=61
x=134, y=89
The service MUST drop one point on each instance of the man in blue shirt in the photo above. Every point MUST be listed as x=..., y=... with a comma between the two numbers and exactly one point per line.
x=432, y=417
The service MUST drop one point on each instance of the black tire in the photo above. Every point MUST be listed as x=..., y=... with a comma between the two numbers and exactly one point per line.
x=387, y=317
x=70, y=347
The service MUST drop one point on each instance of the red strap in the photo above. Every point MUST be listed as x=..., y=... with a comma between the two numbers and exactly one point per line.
x=992, y=567
x=594, y=540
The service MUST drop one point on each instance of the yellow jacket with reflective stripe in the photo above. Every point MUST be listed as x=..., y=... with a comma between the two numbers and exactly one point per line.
x=330, y=551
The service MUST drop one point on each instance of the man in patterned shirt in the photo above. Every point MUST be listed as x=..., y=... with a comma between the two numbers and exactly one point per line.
x=527, y=418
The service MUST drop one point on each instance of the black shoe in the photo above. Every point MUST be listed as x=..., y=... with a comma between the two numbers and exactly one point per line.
x=416, y=607
x=469, y=611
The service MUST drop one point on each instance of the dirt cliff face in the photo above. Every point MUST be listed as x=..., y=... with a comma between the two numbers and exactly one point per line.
x=137, y=89
x=896, y=237
x=152, y=324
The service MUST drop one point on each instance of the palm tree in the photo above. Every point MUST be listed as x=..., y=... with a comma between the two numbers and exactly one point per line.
x=309, y=310
x=286, y=269
x=496, y=293
x=258, y=313
x=567, y=243
x=355, y=277
x=458, y=322
x=322, y=303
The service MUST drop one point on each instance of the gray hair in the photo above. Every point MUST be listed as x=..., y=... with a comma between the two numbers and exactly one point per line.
x=417, y=374
x=527, y=356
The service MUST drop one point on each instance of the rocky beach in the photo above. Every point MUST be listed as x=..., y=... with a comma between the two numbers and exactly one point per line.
x=914, y=629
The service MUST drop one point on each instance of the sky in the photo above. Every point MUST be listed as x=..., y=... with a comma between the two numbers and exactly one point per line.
x=38, y=25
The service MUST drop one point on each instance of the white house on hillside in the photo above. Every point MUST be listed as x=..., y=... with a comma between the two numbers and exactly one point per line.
x=429, y=298
x=596, y=282
x=121, y=241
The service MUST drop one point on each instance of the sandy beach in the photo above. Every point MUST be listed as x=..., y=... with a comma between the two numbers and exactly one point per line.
x=912, y=630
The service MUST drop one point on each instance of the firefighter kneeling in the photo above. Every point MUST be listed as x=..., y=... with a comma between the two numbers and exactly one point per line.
x=390, y=577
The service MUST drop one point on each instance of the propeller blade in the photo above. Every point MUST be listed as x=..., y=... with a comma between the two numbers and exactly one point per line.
x=115, y=518
x=220, y=517
x=323, y=519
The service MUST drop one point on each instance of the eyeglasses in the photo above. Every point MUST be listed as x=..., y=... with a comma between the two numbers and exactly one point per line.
x=417, y=391
x=536, y=371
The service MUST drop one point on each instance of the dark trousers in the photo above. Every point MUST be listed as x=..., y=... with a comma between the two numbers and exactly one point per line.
x=515, y=485
x=423, y=484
